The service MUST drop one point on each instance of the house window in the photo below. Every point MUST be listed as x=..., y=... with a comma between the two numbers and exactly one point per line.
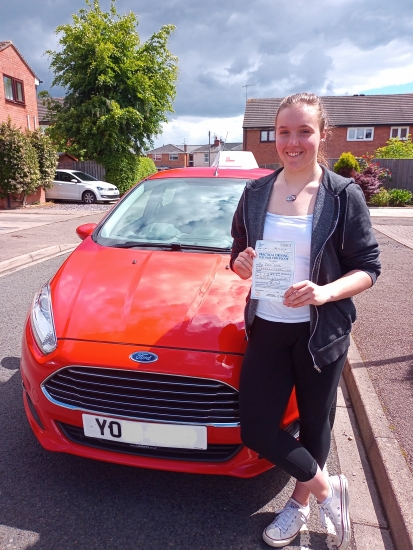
x=173, y=156
x=206, y=158
x=267, y=135
x=157, y=156
x=13, y=89
x=360, y=134
x=400, y=132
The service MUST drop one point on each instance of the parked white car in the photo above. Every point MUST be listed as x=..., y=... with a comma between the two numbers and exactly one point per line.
x=79, y=186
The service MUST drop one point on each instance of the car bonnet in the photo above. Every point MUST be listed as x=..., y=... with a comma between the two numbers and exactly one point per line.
x=150, y=297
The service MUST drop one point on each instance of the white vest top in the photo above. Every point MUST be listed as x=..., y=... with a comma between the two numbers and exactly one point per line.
x=297, y=229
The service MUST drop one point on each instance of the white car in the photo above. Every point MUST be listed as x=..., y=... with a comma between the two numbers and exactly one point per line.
x=79, y=186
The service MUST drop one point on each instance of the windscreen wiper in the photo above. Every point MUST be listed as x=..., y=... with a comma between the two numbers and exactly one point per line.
x=173, y=246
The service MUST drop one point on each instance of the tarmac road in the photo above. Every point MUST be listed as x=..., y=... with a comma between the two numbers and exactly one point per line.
x=60, y=502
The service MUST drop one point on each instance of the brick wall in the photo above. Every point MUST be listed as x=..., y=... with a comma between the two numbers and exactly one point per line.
x=38, y=197
x=265, y=152
x=12, y=65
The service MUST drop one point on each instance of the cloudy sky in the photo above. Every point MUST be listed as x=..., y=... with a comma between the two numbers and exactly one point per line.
x=277, y=47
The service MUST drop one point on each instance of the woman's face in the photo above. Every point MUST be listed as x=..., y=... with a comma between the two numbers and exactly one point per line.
x=298, y=136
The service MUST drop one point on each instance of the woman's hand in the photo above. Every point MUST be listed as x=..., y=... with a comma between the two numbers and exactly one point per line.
x=243, y=263
x=306, y=293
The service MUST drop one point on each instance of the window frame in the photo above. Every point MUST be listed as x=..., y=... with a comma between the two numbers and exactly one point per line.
x=398, y=128
x=268, y=137
x=157, y=156
x=365, y=128
x=173, y=155
x=206, y=158
x=14, y=82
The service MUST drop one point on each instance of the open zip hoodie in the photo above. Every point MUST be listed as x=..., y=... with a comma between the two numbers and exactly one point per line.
x=342, y=240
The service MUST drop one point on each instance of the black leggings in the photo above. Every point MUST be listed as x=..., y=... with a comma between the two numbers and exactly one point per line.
x=277, y=358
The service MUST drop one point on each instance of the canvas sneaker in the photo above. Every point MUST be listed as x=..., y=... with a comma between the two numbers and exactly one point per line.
x=336, y=508
x=287, y=524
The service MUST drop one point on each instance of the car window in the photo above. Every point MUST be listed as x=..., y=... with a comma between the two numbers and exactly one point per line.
x=66, y=176
x=57, y=176
x=193, y=211
x=84, y=177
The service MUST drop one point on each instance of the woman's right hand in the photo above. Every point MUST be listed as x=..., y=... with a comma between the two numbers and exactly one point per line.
x=243, y=263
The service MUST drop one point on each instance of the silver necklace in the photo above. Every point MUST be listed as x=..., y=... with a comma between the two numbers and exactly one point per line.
x=291, y=197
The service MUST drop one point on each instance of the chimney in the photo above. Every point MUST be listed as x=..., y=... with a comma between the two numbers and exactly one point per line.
x=216, y=141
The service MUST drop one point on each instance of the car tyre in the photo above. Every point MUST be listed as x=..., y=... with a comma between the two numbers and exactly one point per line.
x=89, y=197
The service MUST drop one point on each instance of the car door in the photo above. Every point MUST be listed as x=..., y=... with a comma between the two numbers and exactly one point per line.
x=54, y=191
x=69, y=186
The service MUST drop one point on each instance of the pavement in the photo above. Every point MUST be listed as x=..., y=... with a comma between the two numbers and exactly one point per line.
x=378, y=374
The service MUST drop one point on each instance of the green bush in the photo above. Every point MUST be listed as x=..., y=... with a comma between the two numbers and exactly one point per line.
x=19, y=165
x=46, y=155
x=125, y=171
x=346, y=165
x=399, y=197
x=146, y=168
x=382, y=198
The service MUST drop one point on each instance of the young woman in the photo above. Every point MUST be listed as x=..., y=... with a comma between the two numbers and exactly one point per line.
x=303, y=340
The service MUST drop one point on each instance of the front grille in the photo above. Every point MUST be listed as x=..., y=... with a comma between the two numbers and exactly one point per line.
x=145, y=395
x=213, y=453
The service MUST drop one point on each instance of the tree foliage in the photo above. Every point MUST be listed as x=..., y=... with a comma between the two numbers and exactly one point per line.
x=19, y=165
x=119, y=90
x=396, y=148
x=46, y=155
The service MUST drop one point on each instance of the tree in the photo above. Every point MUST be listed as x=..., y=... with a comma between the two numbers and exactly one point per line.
x=46, y=155
x=119, y=90
x=396, y=148
x=19, y=167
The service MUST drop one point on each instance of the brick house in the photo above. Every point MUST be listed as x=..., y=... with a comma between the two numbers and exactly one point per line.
x=205, y=155
x=18, y=100
x=361, y=124
x=172, y=156
x=18, y=91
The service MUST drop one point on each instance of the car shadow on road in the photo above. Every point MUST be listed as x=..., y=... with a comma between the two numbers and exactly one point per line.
x=59, y=502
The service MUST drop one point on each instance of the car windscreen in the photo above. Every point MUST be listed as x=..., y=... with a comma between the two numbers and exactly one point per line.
x=194, y=212
x=84, y=177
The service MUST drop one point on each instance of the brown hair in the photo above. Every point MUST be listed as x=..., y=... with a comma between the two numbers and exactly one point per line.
x=313, y=101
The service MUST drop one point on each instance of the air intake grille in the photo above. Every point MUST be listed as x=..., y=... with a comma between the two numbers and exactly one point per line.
x=213, y=453
x=145, y=395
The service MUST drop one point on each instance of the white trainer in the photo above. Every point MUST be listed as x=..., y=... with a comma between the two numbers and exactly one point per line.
x=287, y=524
x=337, y=510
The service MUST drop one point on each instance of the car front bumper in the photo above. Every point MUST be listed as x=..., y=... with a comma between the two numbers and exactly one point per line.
x=60, y=429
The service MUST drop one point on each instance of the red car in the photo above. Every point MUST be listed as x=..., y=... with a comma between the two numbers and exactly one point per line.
x=132, y=352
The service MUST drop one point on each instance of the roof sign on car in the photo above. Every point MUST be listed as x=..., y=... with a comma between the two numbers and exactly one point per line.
x=244, y=160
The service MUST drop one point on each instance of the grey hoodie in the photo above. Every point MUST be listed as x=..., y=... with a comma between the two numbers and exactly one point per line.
x=342, y=240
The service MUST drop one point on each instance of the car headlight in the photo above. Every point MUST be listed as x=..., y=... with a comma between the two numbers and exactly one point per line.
x=42, y=321
x=100, y=188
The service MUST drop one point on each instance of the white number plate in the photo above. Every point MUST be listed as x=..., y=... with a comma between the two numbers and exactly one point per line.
x=145, y=433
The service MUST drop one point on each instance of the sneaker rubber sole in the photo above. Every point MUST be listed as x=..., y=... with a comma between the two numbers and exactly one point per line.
x=345, y=516
x=279, y=543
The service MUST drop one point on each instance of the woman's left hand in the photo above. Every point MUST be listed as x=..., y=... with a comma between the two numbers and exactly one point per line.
x=306, y=293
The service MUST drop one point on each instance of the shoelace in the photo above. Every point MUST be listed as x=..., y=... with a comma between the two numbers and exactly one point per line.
x=285, y=518
x=323, y=514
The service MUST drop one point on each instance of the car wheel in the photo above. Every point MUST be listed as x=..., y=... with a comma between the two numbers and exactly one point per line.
x=89, y=197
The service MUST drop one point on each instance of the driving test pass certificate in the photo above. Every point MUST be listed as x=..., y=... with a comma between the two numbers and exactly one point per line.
x=273, y=269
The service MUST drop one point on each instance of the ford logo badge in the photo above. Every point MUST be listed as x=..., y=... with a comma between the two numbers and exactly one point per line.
x=143, y=357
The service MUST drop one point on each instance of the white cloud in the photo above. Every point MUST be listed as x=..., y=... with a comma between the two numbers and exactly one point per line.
x=194, y=130
x=355, y=69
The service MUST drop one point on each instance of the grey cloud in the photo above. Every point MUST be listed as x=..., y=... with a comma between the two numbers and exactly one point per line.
x=223, y=45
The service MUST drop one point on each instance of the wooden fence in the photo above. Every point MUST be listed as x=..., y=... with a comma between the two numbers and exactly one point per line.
x=401, y=172
x=89, y=166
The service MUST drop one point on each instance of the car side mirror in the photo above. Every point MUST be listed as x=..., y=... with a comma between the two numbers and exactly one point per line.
x=73, y=181
x=85, y=230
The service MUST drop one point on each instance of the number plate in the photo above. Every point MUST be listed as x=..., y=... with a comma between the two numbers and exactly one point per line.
x=145, y=433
